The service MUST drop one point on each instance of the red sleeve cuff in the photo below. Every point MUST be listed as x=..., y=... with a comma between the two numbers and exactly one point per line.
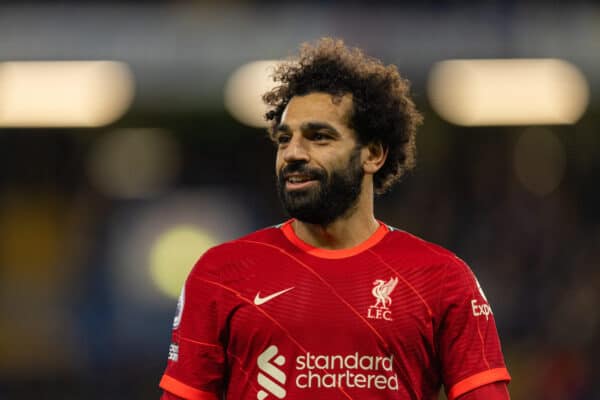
x=477, y=380
x=185, y=391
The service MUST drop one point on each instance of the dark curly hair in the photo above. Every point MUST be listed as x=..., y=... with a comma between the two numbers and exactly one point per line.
x=382, y=108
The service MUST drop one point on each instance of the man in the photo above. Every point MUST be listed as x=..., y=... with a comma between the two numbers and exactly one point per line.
x=334, y=304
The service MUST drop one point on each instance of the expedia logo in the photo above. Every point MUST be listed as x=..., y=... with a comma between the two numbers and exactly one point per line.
x=271, y=378
x=481, y=309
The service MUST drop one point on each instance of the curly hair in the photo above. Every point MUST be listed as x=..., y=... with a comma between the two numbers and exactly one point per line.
x=383, y=111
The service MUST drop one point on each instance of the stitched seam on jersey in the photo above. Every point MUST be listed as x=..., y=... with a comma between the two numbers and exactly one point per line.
x=439, y=310
x=295, y=341
x=441, y=293
x=406, y=282
x=432, y=248
x=197, y=342
x=483, y=354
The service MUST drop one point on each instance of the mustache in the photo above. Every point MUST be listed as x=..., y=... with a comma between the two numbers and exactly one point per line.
x=302, y=168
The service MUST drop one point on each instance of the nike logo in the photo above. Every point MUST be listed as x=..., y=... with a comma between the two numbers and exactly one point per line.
x=262, y=300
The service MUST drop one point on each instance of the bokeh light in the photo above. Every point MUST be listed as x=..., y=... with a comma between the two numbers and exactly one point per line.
x=134, y=163
x=244, y=90
x=154, y=245
x=64, y=93
x=539, y=161
x=174, y=254
x=508, y=92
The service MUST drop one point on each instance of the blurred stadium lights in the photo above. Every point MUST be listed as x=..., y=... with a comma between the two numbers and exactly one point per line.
x=508, y=92
x=64, y=93
x=134, y=163
x=154, y=245
x=539, y=161
x=174, y=254
x=244, y=90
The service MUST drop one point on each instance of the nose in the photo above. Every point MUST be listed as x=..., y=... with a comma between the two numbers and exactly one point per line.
x=296, y=151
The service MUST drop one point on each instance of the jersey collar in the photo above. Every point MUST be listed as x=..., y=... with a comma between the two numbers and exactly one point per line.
x=375, y=238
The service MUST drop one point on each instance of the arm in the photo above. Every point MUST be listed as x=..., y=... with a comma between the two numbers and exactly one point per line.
x=170, y=396
x=491, y=391
x=196, y=361
x=470, y=352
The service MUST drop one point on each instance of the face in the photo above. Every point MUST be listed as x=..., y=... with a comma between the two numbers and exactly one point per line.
x=319, y=168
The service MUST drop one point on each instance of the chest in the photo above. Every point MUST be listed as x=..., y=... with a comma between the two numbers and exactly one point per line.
x=334, y=307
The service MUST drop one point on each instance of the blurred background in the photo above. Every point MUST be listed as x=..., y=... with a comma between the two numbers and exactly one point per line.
x=129, y=145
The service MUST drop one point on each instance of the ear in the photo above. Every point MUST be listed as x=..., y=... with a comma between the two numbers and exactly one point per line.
x=374, y=155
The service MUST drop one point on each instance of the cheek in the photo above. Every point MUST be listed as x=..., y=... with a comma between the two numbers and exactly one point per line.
x=278, y=163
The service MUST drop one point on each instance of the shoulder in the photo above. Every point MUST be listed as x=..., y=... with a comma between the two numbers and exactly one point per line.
x=222, y=258
x=450, y=272
x=411, y=246
x=442, y=267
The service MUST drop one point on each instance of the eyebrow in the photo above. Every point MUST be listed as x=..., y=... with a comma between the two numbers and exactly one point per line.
x=315, y=126
x=307, y=127
x=282, y=128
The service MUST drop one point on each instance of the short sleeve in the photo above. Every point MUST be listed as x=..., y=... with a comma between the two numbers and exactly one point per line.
x=195, y=366
x=470, y=351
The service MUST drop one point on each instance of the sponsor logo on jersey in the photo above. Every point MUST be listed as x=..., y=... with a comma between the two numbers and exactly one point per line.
x=262, y=300
x=382, y=291
x=325, y=371
x=179, y=311
x=353, y=371
x=174, y=352
x=481, y=309
x=270, y=378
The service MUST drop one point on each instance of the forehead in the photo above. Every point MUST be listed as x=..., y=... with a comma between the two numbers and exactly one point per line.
x=318, y=106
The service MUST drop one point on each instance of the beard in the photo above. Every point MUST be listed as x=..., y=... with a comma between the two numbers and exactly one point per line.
x=335, y=195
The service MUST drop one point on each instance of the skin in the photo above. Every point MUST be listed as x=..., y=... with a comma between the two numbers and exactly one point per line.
x=315, y=129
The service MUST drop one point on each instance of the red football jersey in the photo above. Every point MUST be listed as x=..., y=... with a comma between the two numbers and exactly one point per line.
x=268, y=316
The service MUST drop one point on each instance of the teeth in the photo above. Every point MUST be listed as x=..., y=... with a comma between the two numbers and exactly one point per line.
x=296, y=179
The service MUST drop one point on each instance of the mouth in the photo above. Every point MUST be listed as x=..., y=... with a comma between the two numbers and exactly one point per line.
x=298, y=182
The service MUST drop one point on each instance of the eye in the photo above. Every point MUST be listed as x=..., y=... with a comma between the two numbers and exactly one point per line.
x=282, y=139
x=320, y=136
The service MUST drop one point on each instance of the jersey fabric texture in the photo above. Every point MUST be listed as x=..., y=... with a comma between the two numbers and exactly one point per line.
x=268, y=316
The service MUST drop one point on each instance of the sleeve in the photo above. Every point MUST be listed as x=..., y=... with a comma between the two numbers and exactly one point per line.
x=491, y=391
x=468, y=343
x=195, y=366
x=170, y=396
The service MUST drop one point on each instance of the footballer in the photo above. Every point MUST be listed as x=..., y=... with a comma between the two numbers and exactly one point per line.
x=334, y=303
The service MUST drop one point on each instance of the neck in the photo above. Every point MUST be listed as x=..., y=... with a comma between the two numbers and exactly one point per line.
x=349, y=230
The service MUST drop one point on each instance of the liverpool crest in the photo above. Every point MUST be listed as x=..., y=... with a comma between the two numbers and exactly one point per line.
x=381, y=291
